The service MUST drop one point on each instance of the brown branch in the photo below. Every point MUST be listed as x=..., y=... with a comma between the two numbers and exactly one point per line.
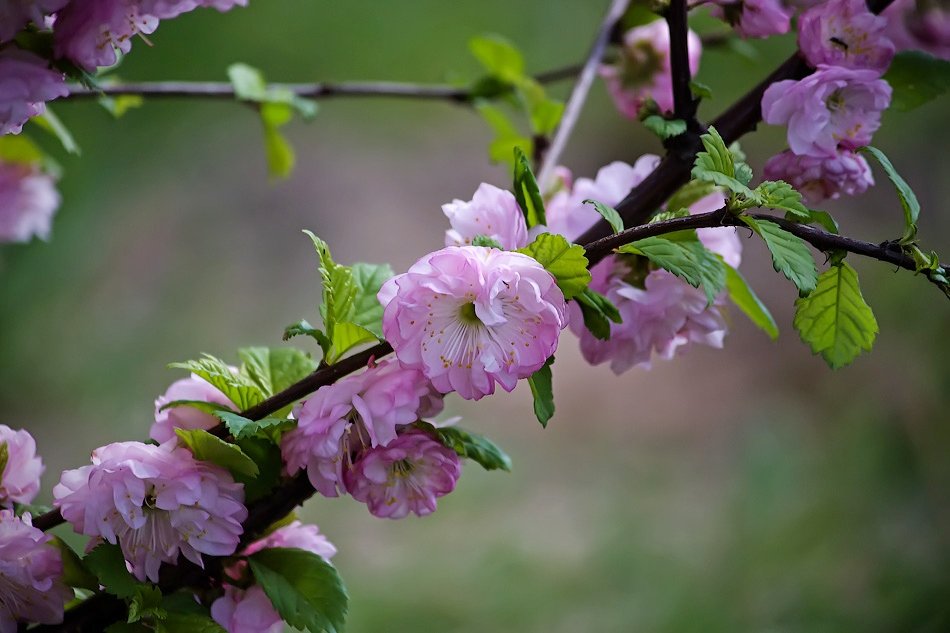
x=684, y=105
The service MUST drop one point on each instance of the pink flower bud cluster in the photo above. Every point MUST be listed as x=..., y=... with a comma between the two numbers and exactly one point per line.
x=20, y=468
x=836, y=110
x=754, y=18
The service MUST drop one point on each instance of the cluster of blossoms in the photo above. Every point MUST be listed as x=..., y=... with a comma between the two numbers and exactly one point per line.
x=85, y=34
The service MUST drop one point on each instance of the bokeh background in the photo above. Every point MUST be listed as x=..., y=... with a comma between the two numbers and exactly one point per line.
x=747, y=489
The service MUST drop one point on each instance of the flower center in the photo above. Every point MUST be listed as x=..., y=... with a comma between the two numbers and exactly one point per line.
x=467, y=314
x=403, y=468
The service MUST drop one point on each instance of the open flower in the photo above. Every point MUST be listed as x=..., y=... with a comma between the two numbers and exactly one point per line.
x=15, y=14
x=820, y=178
x=20, y=468
x=246, y=611
x=26, y=84
x=155, y=501
x=184, y=417
x=406, y=476
x=492, y=212
x=845, y=33
x=28, y=201
x=754, y=18
x=469, y=316
x=31, y=588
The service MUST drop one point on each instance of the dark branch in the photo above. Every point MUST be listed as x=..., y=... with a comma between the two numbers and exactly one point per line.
x=684, y=105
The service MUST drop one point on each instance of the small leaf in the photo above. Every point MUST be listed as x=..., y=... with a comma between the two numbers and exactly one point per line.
x=279, y=152
x=562, y=259
x=484, y=240
x=146, y=604
x=597, y=311
x=475, y=447
x=303, y=328
x=790, y=254
x=778, y=194
x=367, y=311
x=275, y=369
x=51, y=123
x=834, y=320
x=248, y=82
x=526, y=191
x=687, y=259
x=241, y=427
x=108, y=564
x=120, y=104
x=717, y=165
x=664, y=128
x=346, y=336
x=608, y=213
x=916, y=77
x=304, y=589
x=907, y=196
x=821, y=218
x=75, y=573
x=507, y=136
x=498, y=56
x=542, y=391
x=208, y=448
x=749, y=303
x=339, y=288
x=238, y=388
x=700, y=90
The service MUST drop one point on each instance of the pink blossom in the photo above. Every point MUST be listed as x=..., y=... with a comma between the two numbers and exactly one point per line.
x=844, y=33
x=923, y=25
x=31, y=590
x=406, y=476
x=155, y=501
x=15, y=14
x=26, y=84
x=20, y=468
x=643, y=70
x=28, y=201
x=246, y=611
x=492, y=212
x=834, y=106
x=470, y=316
x=88, y=32
x=821, y=178
x=298, y=536
x=722, y=241
x=754, y=18
x=186, y=417
x=566, y=212
x=340, y=419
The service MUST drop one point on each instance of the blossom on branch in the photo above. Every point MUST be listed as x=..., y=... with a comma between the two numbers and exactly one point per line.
x=154, y=501
x=31, y=588
x=15, y=14
x=643, y=70
x=470, y=316
x=20, y=468
x=296, y=535
x=492, y=212
x=26, y=84
x=920, y=24
x=754, y=18
x=408, y=475
x=844, y=33
x=185, y=417
x=833, y=107
x=820, y=178
x=28, y=201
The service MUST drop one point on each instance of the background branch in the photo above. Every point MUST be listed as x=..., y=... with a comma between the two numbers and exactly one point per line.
x=684, y=105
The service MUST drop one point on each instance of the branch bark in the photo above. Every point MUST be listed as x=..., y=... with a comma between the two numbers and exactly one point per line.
x=684, y=105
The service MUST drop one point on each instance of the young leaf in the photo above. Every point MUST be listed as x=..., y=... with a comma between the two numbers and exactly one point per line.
x=120, y=104
x=303, y=328
x=542, y=391
x=597, y=311
x=916, y=78
x=608, y=213
x=700, y=90
x=275, y=369
x=367, y=311
x=241, y=427
x=749, y=303
x=475, y=447
x=821, y=218
x=339, y=288
x=507, y=136
x=790, y=254
x=907, y=196
x=664, y=128
x=346, y=336
x=208, y=448
x=51, y=123
x=498, y=56
x=279, y=152
x=108, y=564
x=834, y=320
x=305, y=590
x=717, y=165
x=562, y=259
x=526, y=191
x=146, y=604
x=248, y=82
x=239, y=389
x=778, y=194
x=687, y=259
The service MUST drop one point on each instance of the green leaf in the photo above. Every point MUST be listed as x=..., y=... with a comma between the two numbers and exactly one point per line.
x=339, y=289
x=562, y=259
x=778, y=194
x=689, y=194
x=241, y=427
x=208, y=448
x=18, y=148
x=146, y=604
x=120, y=104
x=266, y=454
x=507, y=136
x=597, y=311
x=51, y=123
x=821, y=218
x=303, y=328
x=664, y=128
x=834, y=320
x=700, y=90
x=367, y=311
x=275, y=369
x=908, y=199
x=305, y=590
x=238, y=388
x=608, y=213
x=346, y=336
x=248, y=82
x=108, y=564
x=749, y=303
x=75, y=573
x=498, y=56
x=543, y=393
x=473, y=446
x=717, y=165
x=4, y=457
x=188, y=622
x=201, y=405
x=687, y=259
x=484, y=240
x=916, y=78
x=526, y=191
x=790, y=254
x=280, y=154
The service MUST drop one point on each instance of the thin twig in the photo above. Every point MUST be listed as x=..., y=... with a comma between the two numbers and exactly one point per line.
x=575, y=102
x=684, y=105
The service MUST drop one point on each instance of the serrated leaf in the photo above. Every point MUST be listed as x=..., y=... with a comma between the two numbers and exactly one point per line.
x=916, y=77
x=146, y=604
x=717, y=165
x=339, y=288
x=778, y=194
x=562, y=259
x=821, y=218
x=834, y=320
x=208, y=448
x=608, y=213
x=790, y=254
x=473, y=446
x=542, y=392
x=749, y=303
x=664, y=128
x=303, y=328
x=75, y=573
x=907, y=196
x=51, y=123
x=527, y=192
x=346, y=336
x=498, y=56
x=366, y=310
x=241, y=427
x=598, y=312
x=275, y=369
x=108, y=564
x=687, y=259
x=238, y=388
x=305, y=590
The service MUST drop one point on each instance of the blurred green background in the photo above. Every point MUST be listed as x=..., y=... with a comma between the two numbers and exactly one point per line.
x=747, y=489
